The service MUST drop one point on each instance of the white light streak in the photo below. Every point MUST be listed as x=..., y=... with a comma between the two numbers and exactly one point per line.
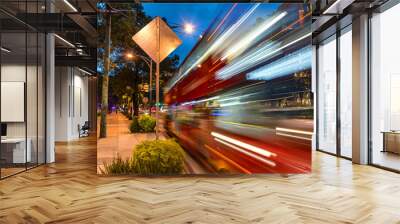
x=86, y=72
x=294, y=136
x=294, y=131
x=70, y=5
x=5, y=50
x=217, y=43
x=244, y=145
x=269, y=162
x=254, y=59
x=297, y=61
x=253, y=35
x=65, y=41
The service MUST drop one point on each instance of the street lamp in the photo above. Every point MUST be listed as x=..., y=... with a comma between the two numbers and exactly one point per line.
x=188, y=28
x=149, y=63
x=129, y=55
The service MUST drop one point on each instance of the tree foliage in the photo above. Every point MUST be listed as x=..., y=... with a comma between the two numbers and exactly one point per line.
x=125, y=76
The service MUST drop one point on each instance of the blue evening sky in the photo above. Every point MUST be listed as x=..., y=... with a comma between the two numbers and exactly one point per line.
x=198, y=14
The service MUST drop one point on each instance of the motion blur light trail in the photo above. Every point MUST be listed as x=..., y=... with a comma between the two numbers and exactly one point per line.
x=217, y=43
x=297, y=61
x=243, y=145
x=255, y=58
x=253, y=35
x=242, y=100
x=269, y=162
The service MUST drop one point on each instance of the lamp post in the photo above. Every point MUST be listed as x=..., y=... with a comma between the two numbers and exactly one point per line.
x=149, y=63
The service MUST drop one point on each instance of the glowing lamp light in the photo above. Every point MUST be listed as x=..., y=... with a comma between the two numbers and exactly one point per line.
x=129, y=55
x=189, y=28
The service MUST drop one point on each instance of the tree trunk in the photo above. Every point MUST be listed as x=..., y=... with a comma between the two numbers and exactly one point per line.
x=104, y=94
x=135, y=96
x=136, y=104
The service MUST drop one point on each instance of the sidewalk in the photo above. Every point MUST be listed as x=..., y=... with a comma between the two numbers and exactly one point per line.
x=121, y=142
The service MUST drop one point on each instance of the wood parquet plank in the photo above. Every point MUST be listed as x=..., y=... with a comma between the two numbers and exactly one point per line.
x=70, y=191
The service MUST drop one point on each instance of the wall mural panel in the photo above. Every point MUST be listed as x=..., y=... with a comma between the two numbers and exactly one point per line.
x=235, y=97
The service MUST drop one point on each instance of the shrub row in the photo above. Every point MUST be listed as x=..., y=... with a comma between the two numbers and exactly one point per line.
x=145, y=123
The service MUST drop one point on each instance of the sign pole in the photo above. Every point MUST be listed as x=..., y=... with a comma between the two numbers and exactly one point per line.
x=158, y=78
x=150, y=83
x=149, y=39
x=157, y=99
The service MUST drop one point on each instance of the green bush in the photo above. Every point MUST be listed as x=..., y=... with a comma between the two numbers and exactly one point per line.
x=158, y=157
x=118, y=166
x=134, y=127
x=147, y=123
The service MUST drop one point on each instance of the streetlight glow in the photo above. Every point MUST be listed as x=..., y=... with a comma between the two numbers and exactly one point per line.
x=189, y=28
x=129, y=55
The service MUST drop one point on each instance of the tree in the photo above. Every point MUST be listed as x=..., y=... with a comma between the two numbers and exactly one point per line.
x=124, y=85
x=127, y=20
x=104, y=98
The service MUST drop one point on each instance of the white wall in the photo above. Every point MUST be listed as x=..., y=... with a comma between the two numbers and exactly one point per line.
x=12, y=73
x=16, y=73
x=71, y=102
x=33, y=127
x=61, y=103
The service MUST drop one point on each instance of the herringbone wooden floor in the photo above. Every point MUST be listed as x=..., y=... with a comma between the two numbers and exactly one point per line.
x=70, y=191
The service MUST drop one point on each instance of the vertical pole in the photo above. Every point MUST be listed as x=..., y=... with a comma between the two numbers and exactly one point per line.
x=338, y=95
x=50, y=84
x=360, y=88
x=104, y=95
x=157, y=98
x=150, y=83
x=158, y=76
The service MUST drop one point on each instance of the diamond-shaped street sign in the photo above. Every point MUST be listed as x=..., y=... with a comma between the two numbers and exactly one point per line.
x=157, y=39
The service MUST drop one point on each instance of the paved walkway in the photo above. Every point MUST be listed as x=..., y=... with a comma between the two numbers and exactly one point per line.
x=119, y=140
